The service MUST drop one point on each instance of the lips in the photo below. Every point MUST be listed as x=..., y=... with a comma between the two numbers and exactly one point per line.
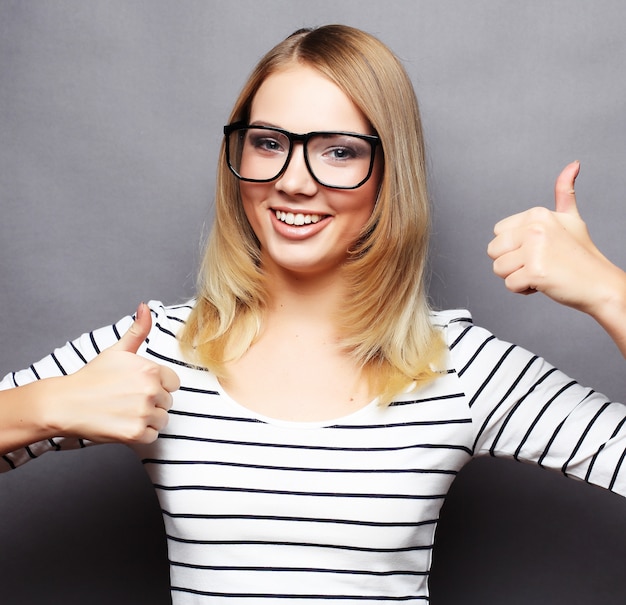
x=298, y=226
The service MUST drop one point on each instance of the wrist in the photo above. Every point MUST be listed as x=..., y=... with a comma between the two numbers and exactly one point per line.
x=610, y=308
x=29, y=414
x=49, y=399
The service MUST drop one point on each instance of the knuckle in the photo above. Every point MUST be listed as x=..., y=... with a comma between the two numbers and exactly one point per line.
x=538, y=218
x=537, y=273
x=148, y=436
x=497, y=268
x=167, y=401
x=135, y=432
x=151, y=391
x=162, y=420
x=539, y=212
x=150, y=369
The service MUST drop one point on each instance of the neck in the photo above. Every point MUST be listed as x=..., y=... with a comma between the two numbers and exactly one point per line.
x=311, y=298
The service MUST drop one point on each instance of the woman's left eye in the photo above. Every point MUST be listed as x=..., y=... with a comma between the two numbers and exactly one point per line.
x=340, y=153
x=344, y=152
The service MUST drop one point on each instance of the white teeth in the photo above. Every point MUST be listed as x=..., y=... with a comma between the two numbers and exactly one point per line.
x=297, y=219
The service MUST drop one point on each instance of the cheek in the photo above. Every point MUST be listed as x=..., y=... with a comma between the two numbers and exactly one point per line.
x=363, y=214
x=253, y=196
x=376, y=180
x=250, y=198
x=358, y=214
x=372, y=190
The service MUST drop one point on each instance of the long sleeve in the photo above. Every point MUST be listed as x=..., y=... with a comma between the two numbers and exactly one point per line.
x=524, y=408
x=63, y=361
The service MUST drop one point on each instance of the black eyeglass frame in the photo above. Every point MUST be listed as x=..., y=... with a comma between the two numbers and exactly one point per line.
x=373, y=140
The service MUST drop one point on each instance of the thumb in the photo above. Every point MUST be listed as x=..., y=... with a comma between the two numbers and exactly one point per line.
x=564, y=194
x=137, y=333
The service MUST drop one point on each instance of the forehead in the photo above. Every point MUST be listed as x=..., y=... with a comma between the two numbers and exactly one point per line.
x=300, y=99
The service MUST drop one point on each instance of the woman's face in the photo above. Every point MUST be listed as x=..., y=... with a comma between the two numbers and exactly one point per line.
x=304, y=227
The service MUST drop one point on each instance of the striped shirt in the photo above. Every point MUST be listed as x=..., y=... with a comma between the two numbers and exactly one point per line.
x=260, y=510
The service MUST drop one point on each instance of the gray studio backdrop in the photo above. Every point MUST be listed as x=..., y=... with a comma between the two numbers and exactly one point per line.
x=110, y=120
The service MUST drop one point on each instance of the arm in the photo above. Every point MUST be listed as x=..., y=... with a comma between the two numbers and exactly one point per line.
x=552, y=252
x=526, y=409
x=117, y=397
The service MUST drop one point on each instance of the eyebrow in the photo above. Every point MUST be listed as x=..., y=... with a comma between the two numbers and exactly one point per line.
x=260, y=124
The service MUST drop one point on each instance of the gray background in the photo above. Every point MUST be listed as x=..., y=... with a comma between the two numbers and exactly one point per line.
x=110, y=117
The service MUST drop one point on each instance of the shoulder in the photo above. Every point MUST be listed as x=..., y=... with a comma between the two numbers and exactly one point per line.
x=459, y=330
x=170, y=318
x=168, y=321
x=447, y=317
x=165, y=344
x=452, y=324
x=484, y=361
x=471, y=345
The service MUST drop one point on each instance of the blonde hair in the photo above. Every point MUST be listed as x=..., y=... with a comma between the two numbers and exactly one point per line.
x=385, y=322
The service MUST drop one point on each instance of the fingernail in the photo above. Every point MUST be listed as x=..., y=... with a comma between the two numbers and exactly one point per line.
x=140, y=310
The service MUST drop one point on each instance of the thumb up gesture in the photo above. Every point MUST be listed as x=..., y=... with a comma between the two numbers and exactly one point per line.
x=119, y=396
x=551, y=251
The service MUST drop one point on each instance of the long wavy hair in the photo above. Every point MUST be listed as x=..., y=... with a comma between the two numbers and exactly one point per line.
x=385, y=322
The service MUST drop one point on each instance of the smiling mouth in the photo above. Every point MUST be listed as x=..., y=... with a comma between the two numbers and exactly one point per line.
x=297, y=219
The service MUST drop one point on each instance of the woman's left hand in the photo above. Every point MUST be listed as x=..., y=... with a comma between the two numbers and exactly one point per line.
x=551, y=252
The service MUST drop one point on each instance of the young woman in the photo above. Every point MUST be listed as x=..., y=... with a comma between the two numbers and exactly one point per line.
x=303, y=418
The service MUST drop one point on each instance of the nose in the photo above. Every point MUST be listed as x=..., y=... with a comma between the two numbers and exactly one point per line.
x=296, y=179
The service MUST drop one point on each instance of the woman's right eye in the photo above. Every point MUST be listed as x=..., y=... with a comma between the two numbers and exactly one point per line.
x=266, y=143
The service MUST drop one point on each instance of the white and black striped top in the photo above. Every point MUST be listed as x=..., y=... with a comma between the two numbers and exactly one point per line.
x=258, y=510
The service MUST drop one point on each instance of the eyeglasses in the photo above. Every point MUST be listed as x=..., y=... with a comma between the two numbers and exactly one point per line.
x=260, y=154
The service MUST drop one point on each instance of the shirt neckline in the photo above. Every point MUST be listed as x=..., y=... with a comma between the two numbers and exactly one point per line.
x=243, y=410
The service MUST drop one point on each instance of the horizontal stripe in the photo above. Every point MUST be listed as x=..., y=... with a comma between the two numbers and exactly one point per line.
x=282, y=492
x=302, y=469
x=321, y=570
x=292, y=596
x=329, y=448
x=274, y=543
x=331, y=521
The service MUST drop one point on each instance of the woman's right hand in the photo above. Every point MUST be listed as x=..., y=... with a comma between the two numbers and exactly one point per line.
x=118, y=396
